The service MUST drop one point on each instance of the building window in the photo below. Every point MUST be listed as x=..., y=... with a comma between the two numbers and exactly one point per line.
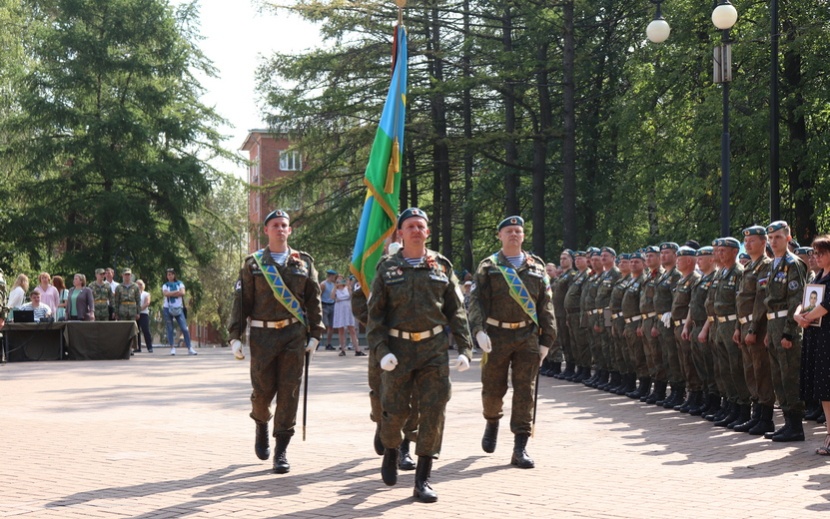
x=254, y=172
x=290, y=160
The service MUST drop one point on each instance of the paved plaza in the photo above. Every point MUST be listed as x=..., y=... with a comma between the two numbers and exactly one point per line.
x=160, y=436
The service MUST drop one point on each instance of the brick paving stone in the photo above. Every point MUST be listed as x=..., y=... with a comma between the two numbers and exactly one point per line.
x=167, y=437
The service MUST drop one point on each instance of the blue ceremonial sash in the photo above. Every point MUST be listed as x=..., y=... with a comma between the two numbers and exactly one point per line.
x=518, y=291
x=281, y=292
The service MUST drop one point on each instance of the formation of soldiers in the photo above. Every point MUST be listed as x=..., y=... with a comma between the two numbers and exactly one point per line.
x=690, y=329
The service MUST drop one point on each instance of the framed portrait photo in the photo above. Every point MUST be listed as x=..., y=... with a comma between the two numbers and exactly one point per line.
x=813, y=296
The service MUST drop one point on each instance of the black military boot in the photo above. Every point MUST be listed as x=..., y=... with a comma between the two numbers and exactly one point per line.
x=795, y=432
x=744, y=414
x=593, y=378
x=377, y=443
x=569, y=371
x=584, y=374
x=555, y=369
x=262, y=444
x=574, y=374
x=668, y=400
x=701, y=405
x=613, y=383
x=753, y=419
x=404, y=459
x=520, y=457
x=630, y=385
x=281, y=465
x=693, y=400
x=602, y=378
x=765, y=423
x=389, y=468
x=733, y=410
x=659, y=393
x=718, y=410
x=423, y=491
x=642, y=390
x=491, y=434
x=679, y=397
x=543, y=369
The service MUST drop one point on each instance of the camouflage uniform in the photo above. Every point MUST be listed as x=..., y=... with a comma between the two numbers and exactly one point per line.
x=416, y=299
x=588, y=306
x=579, y=337
x=515, y=350
x=683, y=293
x=103, y=297
x=623, y=361
x=654, y=354
x=728, y=355
x=712, y=364
x=752, y=318
x=562, y=346
x=127, y=302
x=785, y=289
x=601, y=304
x=276, y=353
x=633, y=319
x=663, y=293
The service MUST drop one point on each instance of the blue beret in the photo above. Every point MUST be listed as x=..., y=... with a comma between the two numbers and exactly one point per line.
x=411, y=213
x=278, y=213
x=669, y=245
x=730, y=242
x=717, y=242
x=591, y=251
x=804, y=250
x=580, y=254
x=686, y=251
x=638, y=256
x=609, y=250
x=651, y=249
x=755, y=230
x=625, y=256
x=511, y=220
x=776, y=226
x=331, y=272
x=744, y=255
x=705, y=251
x=569, y=252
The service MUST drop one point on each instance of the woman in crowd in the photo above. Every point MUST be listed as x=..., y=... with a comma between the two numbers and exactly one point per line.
x=63, y=293
x=18, y=294
x=80, y=303
x=343, y=317
x=144, y=318
x=815, y=351
x=48, y=294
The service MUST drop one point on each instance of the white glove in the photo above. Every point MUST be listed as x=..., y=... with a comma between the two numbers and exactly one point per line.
x=666, y=319
x=543, y=352
x=236, y=348
x=388, y=362
x=312, y=345
x=462, y=363
x=484, y=342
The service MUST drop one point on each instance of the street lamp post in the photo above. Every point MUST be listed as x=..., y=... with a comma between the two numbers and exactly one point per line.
x=724, y=17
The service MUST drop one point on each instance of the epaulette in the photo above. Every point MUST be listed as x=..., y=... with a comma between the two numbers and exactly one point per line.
x=790, y=259
x=307, y=255
x=442, y=258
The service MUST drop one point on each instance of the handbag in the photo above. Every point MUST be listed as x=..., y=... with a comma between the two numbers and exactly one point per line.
x=175, y=311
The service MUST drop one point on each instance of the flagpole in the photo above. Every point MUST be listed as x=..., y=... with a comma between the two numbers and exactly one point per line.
x=401, y=4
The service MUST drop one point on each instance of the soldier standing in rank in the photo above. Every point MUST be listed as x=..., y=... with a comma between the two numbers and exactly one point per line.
x=602, y=315
x=693, y=331
x=785, y=288
x=634, y=339
x=681, y=300
x=560, y=289
x=750, y=330
x=127, y=298
x=102, y=295
x=511, y=316
x=586, y=304
x=623, y=363
x=415, y=295
x=649, y=331
x=278, y=291
x=663, y=329
x=579, y=334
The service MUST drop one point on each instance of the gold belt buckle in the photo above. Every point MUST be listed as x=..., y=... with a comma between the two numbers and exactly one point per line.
x=415, y=336
x=280, y=324
x=513, y=326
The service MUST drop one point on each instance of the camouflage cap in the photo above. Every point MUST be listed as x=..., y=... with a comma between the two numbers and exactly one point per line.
x=127, y=271
x=755, y=230
x=412, y=212
x=511, y=220
x=277, y=213
x=776, y=226
x=99, y=271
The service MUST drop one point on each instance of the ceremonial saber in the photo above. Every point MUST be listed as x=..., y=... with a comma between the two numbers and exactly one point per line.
x=535, y=403
x=305, y=392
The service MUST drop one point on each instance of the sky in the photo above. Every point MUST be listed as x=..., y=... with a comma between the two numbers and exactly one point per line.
x=235, y=37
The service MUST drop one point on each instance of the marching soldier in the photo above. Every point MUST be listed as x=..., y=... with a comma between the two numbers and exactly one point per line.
x=511, y=316
x=278, y=291
x=785, y=288
x=102, y=295
x=415, y=295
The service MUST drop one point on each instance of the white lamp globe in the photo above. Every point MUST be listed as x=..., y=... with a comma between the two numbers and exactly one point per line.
x=724, y=16
x=658, y=30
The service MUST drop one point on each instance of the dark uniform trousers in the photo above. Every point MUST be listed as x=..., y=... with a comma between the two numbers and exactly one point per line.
x=623, y=361
x=636, y=350
x=756, y=366
x=654, y=354
x=596, y=344
x=731, y=364
x=671, y=357
x=424, y=364
x=702, y=358
x=410, y=428
x=785, y=366
x=607, y=345
x=562, y=345
x=521, y=349
x=277, y=369
x=579, y=339
x=687, y=366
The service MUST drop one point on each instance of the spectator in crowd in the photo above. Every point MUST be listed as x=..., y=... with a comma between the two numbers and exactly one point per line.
x=42, y=312
x=48, y=294
x=80, y=302
x=109, y=276
x=60, y=313
x=18, y=293
x=327, y=294
x=344, y=318
x=144, y=318
x=173, y=310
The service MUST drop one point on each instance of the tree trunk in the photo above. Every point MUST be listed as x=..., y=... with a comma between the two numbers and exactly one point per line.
x=569, y=143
